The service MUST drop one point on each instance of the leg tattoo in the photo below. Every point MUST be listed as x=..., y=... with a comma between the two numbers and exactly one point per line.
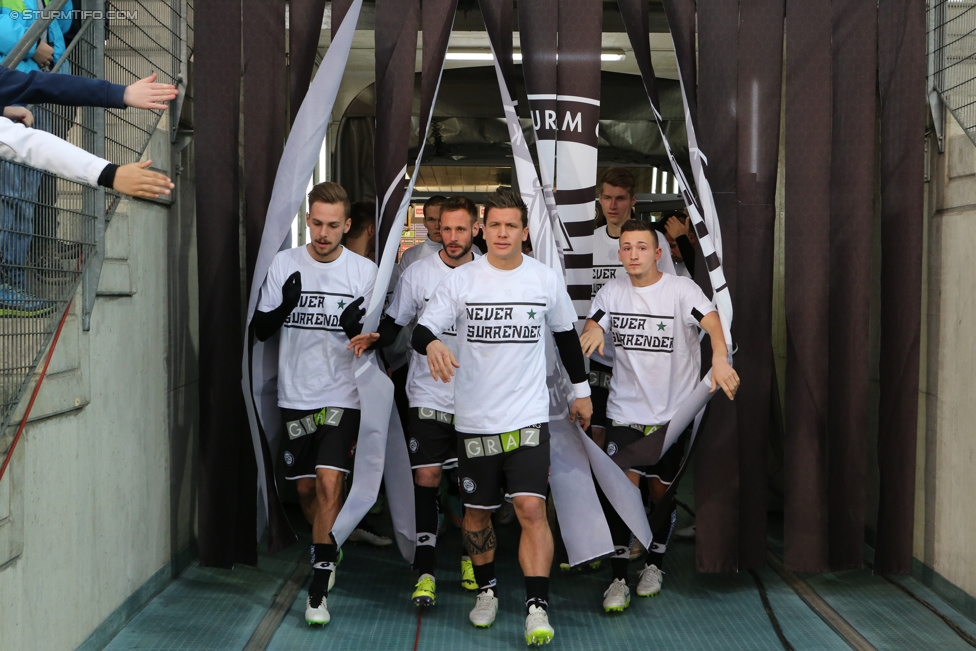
x=479, y=542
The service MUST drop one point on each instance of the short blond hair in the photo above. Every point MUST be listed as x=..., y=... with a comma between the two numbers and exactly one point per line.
x=329, y=192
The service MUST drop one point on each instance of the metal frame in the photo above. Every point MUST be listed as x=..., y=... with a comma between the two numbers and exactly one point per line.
x=952, y=64
x=122, y=51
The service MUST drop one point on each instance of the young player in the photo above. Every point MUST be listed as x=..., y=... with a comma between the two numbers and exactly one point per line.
x=653, y=318
x=304, y=296
x=501, y=306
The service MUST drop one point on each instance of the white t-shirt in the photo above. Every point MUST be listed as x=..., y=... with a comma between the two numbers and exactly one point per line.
x=501, y=318
x=418, y=252
x=398, y=353
x=314, y=368
x=657, y=359
x=409, y=301
x=607, y=266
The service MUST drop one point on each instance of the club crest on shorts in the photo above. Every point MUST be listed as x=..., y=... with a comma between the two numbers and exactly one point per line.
x=468, y=485
x=289, y=459
x=612, y=449
x=414, y=445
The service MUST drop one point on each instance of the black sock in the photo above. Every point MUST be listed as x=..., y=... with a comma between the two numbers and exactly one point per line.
x=619, y=562
x=425, y=507
x=324, y=557
x=620, y=535
x=662, y=535
x=536, y=592
x=484, y=576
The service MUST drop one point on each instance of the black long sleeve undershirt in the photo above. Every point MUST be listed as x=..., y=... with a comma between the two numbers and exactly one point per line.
x=388, y=331
x=266, y=324
x=571, y=353
x=422, y=336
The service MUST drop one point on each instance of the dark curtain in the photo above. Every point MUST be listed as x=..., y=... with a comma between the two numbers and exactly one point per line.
x=717, y=456
x=758, y=121
x=264, y=139
x=809, y=92
x=835, y=52
x=305, y=30
x=228, y=473
x=397, y=22
x=852, y=172
x=901, y=73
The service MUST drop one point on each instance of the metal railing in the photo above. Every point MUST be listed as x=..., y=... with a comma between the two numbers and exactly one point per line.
x=52, y=230
x=952, y=63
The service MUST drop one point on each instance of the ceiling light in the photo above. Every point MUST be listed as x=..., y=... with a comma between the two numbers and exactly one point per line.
x=517, y=56
x=469, y=56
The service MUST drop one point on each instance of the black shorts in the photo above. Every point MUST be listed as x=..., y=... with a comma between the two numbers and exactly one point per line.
x=600, y=375
x=323, y=438
x=522, y=457
x=620, y=435
x=431, y=439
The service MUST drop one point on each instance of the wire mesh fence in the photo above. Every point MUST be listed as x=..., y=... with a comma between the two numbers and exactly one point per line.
x=49, y=226
x=952, y=58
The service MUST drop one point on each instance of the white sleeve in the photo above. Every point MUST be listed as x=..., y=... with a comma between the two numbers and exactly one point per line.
x=403, y=305
x=270, y=297
x=49, y=153
x=442, y=310
x=369, y=283
x=561, y=316
x=599, y=304
x=694, y=303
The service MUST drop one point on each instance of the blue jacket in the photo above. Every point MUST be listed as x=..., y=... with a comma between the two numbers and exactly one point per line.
x=15, y=20
x=39, y=87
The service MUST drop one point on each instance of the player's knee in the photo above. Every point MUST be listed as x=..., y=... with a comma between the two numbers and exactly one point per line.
x=476, y=519
x=429, y=477
x=530, y=510
x=656, y=490
x=306, y=490
x=328, y=486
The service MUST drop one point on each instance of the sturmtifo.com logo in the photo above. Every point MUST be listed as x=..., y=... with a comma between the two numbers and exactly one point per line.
x=72, y=14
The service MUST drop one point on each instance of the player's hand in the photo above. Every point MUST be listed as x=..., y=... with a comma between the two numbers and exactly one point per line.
x=362, y=342
x=291, y=290
x=592, y=340
x=19, y=114
x=441, y=361
x=723, y=375
x=135, y=180
x=146, y=94
x=349, y=319
x=582, y=408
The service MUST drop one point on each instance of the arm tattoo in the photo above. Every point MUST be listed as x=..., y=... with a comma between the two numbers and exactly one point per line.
x=479, y=542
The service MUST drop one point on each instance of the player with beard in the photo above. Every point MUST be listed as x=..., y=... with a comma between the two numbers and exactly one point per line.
x=432, y=441
x=654, y=318
x=304, y=296
x=503, y=306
